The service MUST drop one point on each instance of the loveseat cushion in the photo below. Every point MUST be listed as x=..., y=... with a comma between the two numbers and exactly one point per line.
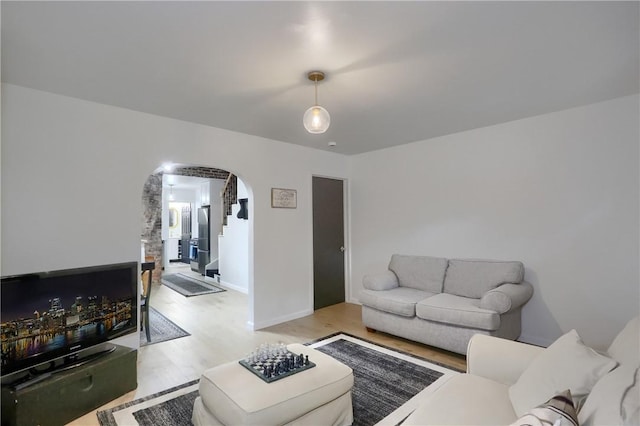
x=399, y=301
x=420, y=272
x=473, y=278
x=457, y=310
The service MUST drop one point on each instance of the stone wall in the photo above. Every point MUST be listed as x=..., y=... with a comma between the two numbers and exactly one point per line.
x=152, y=222
x=203, y=172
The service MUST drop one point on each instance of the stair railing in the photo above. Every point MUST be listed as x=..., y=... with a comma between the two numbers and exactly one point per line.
x=227, y=199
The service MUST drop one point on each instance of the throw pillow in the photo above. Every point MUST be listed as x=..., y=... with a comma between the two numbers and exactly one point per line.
x=614, y=399
x=566, y=364
x=624, y=347
x=558, y=411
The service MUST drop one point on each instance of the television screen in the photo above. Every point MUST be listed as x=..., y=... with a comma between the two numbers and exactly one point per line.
x=48, y=315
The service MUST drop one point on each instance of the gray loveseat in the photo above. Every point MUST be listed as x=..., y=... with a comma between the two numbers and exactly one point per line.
x=444, y=302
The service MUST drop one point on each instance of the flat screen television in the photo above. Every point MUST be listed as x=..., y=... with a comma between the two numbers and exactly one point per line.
x=48, y=316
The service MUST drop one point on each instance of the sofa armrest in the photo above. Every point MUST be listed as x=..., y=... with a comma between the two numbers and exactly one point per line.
x=384, y=281
x=499, y=359
x=507, y=297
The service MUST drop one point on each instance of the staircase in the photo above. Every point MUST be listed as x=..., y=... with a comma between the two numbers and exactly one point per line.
x=233, y=240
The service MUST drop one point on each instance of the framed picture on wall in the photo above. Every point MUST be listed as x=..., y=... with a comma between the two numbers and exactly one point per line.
x=284, y=198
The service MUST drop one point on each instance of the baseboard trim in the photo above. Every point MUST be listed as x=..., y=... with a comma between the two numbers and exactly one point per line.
x=279, y=320
x=535, y=340
x=235, y=287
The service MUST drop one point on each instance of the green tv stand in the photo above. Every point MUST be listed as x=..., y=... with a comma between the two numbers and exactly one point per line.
x=68, y=394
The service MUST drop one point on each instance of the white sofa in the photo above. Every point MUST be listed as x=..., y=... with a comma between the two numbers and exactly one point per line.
x=443, y=302
x=505, y=380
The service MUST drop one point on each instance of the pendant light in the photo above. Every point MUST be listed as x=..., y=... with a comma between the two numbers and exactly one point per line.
x=316, y=119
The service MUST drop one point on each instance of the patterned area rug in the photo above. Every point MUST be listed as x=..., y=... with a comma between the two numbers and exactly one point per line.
x=384, y=379
x=162, y=329
x=170, y=407
x=388, y=386
x=188, y=286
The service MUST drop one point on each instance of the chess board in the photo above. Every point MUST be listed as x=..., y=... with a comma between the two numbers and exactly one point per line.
x=268, y=369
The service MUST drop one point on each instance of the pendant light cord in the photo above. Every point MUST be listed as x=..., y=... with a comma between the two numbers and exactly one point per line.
x=316, y=86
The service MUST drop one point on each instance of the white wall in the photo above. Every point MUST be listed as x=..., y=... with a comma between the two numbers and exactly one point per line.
x=63, y=207
x=559, y=192
x=234, y=247
x=241, y=190
x=215, y=216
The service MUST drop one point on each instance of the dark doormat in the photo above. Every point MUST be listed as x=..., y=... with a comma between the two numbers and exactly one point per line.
x=161, y=329
x=188, y=286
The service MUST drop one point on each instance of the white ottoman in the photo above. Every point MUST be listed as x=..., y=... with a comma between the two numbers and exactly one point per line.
x=232, y=395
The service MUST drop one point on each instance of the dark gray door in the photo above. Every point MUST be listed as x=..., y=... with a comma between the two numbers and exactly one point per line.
x=328, y=242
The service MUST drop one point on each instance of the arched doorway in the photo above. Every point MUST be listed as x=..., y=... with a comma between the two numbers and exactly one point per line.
x=153, y=200
x=229, y=232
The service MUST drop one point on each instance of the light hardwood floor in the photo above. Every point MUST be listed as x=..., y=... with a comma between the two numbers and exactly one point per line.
x=219, y=333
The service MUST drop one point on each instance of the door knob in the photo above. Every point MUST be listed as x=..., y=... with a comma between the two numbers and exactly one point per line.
x=342, y=249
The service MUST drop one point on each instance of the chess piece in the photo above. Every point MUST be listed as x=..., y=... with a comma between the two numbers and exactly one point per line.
x=306, y=360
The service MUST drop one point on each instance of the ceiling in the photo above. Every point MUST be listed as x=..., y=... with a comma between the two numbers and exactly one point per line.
x=397, y=72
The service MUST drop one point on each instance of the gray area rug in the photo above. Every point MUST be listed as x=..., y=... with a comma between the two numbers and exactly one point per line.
x=162, y=410
x=176, y=411
x=162, y=329
x=188, y=286
x=383, y=381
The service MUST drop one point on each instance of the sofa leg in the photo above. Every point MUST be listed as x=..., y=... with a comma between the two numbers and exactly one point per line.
x=370, y=330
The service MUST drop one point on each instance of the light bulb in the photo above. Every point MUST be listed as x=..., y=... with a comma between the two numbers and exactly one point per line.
x=316, y=119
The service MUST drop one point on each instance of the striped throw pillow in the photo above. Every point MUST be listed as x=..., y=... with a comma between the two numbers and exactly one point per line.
x=558, y=411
